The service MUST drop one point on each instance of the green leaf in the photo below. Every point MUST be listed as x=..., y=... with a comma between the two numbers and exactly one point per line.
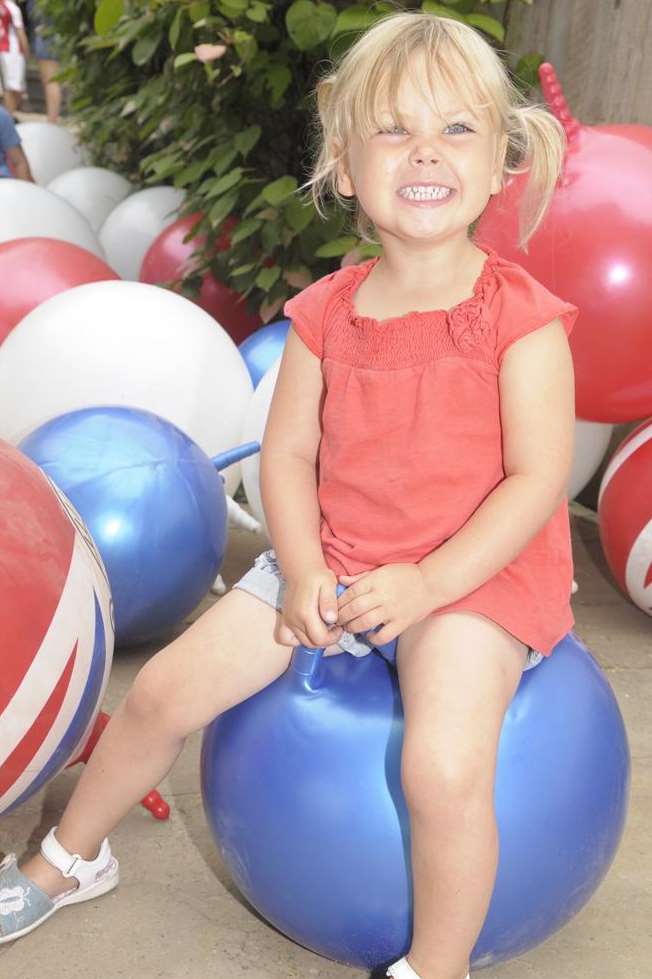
x=279, y=77
x=192, y=172
x=488, y=25
x=175, y=29
x=244, y=230
x=233, y=9
x=241, y=269
x=222, y=208
x=527, y=68
x=198, y=11
x=430, y=7
x=267, y=277
x=253, y=204
x=223, y=159
x=257, y=12
x=184, y=59
x=226, y=182
x=278, y=190
x=310, y=24
x=107, y=15
x=144, y=49
x=337, y=247
x=245, y=44
x=298, y=214
x=355, y=18
x=245, y=141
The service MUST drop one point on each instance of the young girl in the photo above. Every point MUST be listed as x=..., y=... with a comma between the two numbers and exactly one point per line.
x=417, y=451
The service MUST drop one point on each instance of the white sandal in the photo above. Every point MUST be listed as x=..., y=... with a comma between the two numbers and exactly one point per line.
x=403, y=970
x=24, y=906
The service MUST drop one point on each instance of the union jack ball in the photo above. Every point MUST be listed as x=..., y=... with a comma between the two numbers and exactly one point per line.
x=56, y=630
x=625, y=515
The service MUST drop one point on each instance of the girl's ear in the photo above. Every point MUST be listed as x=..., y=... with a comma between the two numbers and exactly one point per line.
x=344, y=183
x=497, y=176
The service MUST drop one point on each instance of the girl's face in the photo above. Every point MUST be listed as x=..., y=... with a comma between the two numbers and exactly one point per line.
x=426, y=178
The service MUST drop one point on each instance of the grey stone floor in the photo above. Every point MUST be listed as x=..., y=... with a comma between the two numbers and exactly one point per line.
x=176, y=914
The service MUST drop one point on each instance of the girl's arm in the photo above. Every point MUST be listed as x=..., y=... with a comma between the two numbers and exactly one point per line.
x=288, y=467
x=537, y=406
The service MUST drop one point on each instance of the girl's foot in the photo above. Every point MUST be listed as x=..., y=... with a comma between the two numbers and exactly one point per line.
x=403, y=970
x=24, y=904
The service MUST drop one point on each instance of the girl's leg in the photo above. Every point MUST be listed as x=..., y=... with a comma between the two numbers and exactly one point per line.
x=51, y=89
x=458, y=673
x=226, y=656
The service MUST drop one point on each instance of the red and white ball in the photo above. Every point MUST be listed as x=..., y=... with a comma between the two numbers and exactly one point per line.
x=56, y=626
x=625, y=515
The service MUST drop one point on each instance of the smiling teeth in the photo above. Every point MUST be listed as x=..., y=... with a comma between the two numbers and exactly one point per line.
x=425, y=193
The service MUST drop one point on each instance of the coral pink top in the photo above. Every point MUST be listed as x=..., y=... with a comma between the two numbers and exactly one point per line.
x=411, y=436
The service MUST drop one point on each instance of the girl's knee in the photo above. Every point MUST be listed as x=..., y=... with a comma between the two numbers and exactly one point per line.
x=151, y=701
x=442, y=780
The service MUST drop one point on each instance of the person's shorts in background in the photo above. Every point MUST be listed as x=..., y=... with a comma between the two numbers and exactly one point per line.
x=266, y=582
x=12, y=71
x=42, y=47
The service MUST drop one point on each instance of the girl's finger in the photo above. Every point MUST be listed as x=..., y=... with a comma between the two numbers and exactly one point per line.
x=328, y=604
x=358, y=607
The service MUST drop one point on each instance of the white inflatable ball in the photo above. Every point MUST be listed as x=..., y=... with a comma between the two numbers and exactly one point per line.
x=29, y=211
x=133, y=225
x=50, y=150
x=591, y=443
x=94, y=191
x=255, y=420
x=125, y=343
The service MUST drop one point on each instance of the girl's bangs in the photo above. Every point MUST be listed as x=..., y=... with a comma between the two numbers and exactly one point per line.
x=377, y=91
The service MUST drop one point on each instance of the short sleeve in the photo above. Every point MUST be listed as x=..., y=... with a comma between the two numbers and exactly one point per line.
x=525, y=306
x=16, y=15
x=308, y=311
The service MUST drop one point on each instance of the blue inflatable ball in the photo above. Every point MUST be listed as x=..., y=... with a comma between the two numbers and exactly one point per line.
x=301, y=788
x=263, y=348
x=153, y=502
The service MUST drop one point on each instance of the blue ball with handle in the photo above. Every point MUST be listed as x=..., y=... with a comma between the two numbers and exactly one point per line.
x=302, y=792
x=153, y=501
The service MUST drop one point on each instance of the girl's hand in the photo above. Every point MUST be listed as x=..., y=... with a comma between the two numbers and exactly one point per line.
x=394, y=596
x=310, y=611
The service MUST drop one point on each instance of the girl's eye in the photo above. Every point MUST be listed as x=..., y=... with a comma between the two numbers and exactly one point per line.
x=459, y=125
x=393, y=130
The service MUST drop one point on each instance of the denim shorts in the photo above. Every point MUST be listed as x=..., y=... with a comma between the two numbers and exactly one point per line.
x=266, y=582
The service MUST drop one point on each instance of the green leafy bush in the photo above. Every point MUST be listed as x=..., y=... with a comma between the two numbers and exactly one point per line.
x=234, y=133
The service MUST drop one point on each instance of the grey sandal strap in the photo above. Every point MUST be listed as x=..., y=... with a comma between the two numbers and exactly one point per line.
x=22, y=903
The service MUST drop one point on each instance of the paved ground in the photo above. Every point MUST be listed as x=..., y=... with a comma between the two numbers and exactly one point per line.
x=176, y=915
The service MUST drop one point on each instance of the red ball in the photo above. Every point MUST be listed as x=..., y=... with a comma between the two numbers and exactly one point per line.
x=35, y=269
x=169, y=257
x=625, y=515
x=594, y=249
x=56, y=628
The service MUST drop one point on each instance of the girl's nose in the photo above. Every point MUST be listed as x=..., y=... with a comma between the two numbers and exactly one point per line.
x=424, y=152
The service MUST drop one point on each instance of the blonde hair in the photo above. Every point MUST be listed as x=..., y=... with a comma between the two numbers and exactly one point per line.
x=349, y=100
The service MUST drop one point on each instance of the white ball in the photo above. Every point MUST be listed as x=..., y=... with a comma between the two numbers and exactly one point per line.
x=94, y=191
x=133, y=225
x=125, y=343
x=29, y=211
x=252, y=431
x=591, y=443
x=50, y=150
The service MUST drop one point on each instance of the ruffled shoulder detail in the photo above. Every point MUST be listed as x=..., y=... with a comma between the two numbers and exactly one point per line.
x=470, y=323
